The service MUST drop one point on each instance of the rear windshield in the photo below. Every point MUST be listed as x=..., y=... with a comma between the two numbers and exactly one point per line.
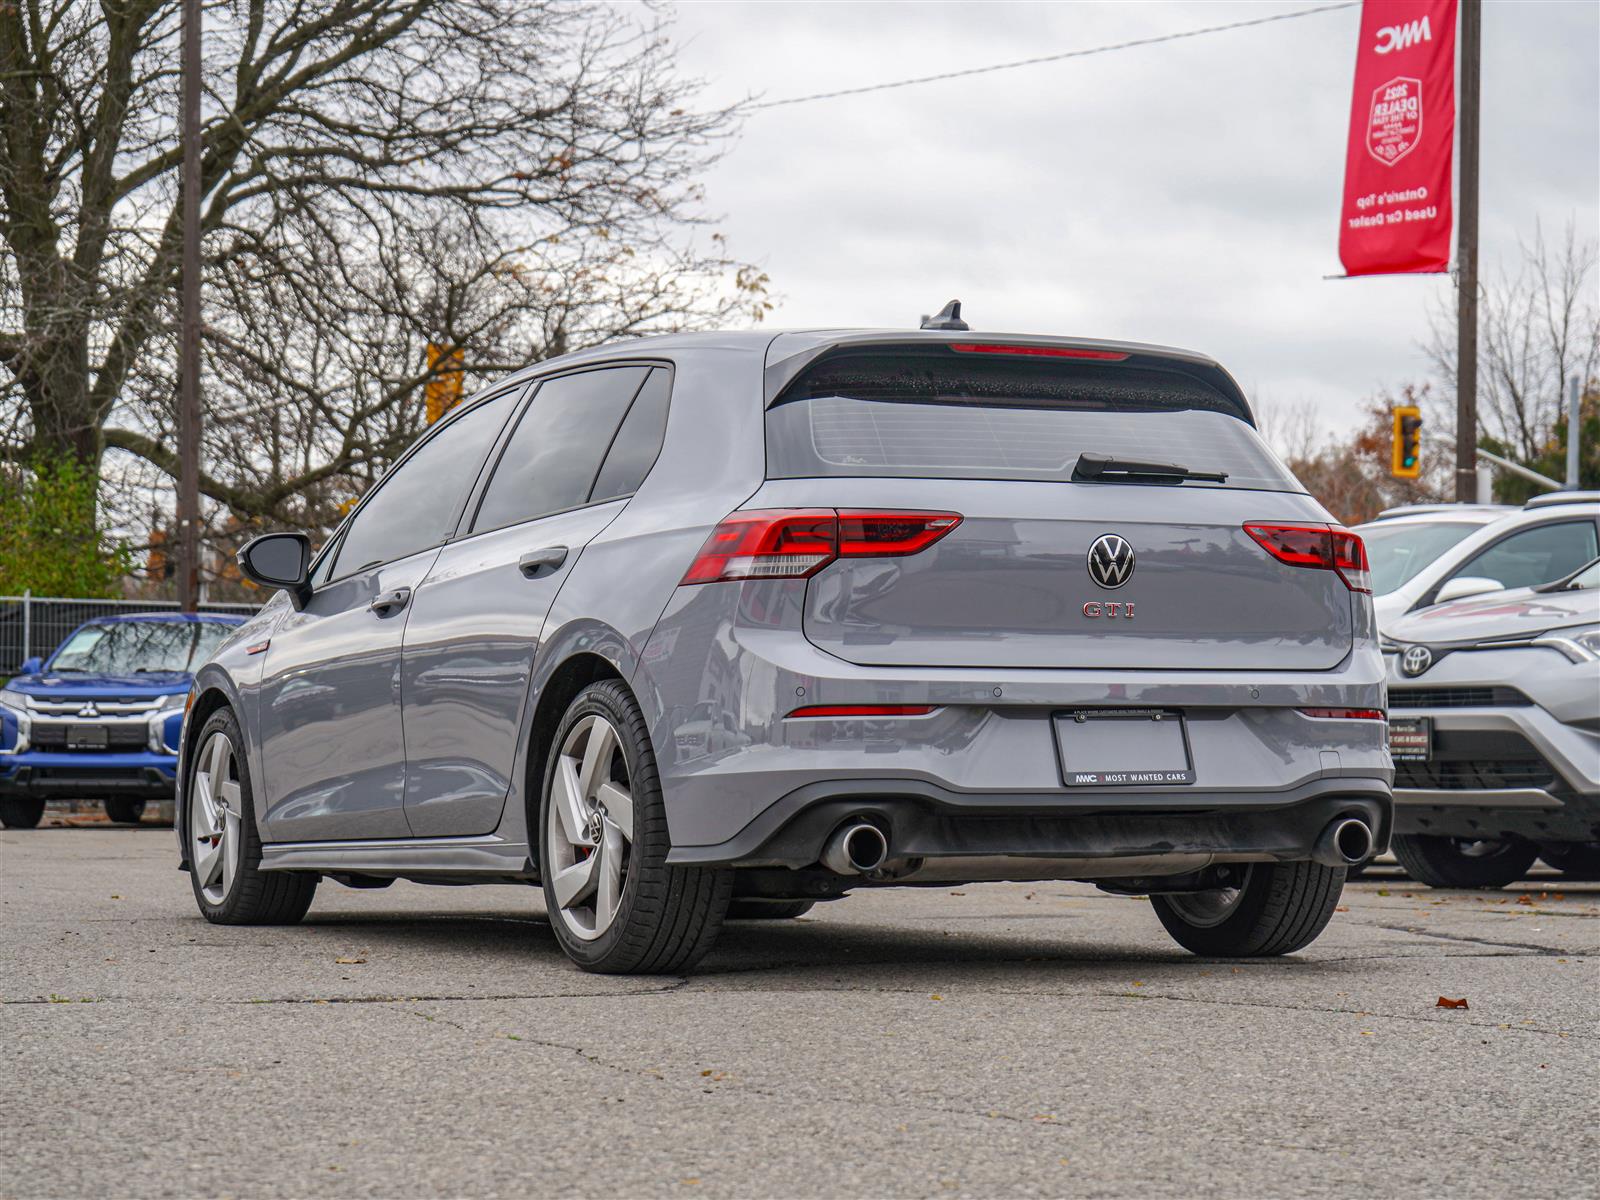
x=930, y=415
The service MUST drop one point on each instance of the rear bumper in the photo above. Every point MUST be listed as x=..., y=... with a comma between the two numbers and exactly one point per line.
x=925, y=821
x=37, y=773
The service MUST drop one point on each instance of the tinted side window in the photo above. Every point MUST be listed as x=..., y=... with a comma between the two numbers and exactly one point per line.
x=1535, y=556
x=550, y=460
x=638, y=442
x=415, y=505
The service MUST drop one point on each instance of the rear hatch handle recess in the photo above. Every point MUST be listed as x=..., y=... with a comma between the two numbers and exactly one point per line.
x=1103, y=468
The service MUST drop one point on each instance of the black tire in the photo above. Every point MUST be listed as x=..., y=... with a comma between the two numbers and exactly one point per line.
x=753, y=908
x=1445, y=862
x=21, y=812
x=667, y=917
x=124, y=811
x=255, y=897
x=1280, y=908
x=1580, y=859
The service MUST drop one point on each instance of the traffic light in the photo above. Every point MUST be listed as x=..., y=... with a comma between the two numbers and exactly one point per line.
x=1407, y=462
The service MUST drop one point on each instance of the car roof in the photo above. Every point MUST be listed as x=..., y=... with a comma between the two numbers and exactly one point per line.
x=785, y=352
x=1439, y=514
x=169, y=618
x=1466, y=512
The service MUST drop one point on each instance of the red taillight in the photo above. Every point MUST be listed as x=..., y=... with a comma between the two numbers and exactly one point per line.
x=1038, y=351
x=792, y=543
x=864, y=710
x=767, y=544
x=1347, y=714
x=890, y=534
x=1323, y=547
x=1350, y=560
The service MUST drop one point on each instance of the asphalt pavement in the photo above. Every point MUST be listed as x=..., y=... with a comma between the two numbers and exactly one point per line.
x=993, y=1040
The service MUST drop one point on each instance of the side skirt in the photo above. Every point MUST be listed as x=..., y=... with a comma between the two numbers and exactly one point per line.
x=494, y=858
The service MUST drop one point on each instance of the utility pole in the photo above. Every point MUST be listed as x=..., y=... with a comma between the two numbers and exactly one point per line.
x=189, y=333
x=1467, y=260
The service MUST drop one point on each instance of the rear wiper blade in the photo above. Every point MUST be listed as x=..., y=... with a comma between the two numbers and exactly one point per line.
x=1103, y=468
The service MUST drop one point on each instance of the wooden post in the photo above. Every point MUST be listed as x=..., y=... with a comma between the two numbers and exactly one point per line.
x=1467, y=259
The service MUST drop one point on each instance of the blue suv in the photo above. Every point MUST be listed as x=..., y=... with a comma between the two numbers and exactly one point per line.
x=101, y=719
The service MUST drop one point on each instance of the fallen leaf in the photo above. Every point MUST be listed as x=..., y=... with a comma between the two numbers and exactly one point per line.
x=958, y=893
x=936, y=996
x=1525, y=899
x=1342, y=908
x=1383, y=891
x=1446, y=1002
x=349, y=962
x=703, y=1074
x=1366, y=1033
x=1138, y=983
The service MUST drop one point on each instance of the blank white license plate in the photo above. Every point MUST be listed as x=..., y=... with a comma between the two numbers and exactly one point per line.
x=1123, y=748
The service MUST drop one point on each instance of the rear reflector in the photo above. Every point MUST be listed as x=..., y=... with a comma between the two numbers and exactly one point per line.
x=1347, y=714
x=864, y=710
x=1038, y=351
x=1321, y=547
x=793, y=543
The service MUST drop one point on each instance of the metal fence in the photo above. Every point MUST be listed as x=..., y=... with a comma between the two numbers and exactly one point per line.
x=35, y=625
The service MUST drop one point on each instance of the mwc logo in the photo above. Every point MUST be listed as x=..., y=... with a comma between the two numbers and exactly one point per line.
x=1402, y=37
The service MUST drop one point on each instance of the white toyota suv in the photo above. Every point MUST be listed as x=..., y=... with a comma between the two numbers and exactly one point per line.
x=1426, y=554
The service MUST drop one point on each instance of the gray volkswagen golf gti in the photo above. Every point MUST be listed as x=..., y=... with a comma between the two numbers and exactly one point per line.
x=723, y=625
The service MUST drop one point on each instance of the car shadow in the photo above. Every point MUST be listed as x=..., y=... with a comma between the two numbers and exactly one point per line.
x=750, y=948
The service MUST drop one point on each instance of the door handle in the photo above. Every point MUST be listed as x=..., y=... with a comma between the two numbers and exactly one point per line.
x=391, y=601
x=534, y=562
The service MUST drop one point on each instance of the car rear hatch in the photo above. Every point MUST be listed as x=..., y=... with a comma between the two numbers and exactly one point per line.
x=1133, y=570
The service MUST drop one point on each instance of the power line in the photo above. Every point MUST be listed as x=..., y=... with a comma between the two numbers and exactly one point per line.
x=1049, y=58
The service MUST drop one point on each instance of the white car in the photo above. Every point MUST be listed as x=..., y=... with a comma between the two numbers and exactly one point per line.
x=1494, y=723
x=1426, y=554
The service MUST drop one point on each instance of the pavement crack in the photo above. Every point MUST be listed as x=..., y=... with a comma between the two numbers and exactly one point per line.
x=1543, y=951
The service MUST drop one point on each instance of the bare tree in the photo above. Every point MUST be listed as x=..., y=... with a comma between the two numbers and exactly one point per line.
x=510, y=177
x=1350, y=474
x=1538, y=328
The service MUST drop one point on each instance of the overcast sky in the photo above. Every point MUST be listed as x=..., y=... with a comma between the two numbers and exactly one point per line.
x=1185, y=193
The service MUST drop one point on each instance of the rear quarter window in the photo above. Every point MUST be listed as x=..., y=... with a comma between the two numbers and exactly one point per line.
x=932, y=414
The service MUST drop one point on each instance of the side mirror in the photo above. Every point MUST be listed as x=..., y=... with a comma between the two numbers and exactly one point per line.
x=31, y=666
x=1463, y=586
x=279, y=560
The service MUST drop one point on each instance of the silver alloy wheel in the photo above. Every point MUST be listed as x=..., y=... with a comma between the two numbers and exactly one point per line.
x=214, y=816
x=589, y=829
x=1206, y=909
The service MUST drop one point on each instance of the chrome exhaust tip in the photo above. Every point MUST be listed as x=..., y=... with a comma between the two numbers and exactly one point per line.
x=856, y=849
x=1344, y=843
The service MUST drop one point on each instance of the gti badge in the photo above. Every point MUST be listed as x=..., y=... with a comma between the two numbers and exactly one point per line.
x=1110, y=561
x=89, y=710
x=1415, y=661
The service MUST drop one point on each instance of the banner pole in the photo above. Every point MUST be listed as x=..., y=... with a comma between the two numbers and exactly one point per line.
x=1467, y=259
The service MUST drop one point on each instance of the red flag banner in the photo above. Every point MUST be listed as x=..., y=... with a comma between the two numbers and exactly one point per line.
x=1397, y=212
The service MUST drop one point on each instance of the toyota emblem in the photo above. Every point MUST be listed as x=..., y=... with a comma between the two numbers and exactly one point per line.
x=1415, y=661
x=1110, y=561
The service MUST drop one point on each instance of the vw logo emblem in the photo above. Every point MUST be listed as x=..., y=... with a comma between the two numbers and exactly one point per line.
x=1110, y=561
x=1415, y=661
